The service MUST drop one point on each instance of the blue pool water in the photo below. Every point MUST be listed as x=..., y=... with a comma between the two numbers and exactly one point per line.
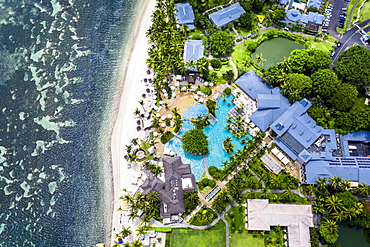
x=216, y=134
x=213, y=193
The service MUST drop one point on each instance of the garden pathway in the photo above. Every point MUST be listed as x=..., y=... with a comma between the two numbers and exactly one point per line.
x=351, y=14
x=234, y=68
x=227, y=231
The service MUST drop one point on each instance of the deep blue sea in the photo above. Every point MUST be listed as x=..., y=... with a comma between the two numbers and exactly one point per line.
x=59, y=63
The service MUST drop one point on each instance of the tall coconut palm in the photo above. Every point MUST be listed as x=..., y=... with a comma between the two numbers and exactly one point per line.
x=363, y=189
x=141, y=230
x=125, y=231
x=333, y=203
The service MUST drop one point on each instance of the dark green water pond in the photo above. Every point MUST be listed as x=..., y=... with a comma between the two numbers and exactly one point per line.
x=275, y=51
x=353, y=236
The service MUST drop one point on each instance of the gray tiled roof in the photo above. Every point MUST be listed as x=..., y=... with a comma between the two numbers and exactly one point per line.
x=226, y=15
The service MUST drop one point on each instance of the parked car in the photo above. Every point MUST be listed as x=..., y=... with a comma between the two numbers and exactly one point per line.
x=344, y=9
x=332, y=54
x=324, y=27
x=341, y=26
x=339, y=44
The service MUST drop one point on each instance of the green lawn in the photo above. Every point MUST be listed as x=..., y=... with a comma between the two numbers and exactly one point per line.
x=246, y=239
x=212, y=237
x=322, y=46
x=239, y=55
x=365, y=12
x=223, y=69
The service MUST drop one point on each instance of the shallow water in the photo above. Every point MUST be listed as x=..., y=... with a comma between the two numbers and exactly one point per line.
x=59, y=66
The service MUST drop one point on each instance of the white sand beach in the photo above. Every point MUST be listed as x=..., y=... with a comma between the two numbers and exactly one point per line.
x=133, y=71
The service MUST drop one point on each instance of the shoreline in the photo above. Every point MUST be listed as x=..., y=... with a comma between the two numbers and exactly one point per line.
x=132, y=72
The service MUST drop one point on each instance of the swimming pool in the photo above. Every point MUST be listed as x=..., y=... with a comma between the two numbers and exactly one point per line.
x=216, y=134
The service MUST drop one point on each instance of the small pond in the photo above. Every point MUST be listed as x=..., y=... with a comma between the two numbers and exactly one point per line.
x=352, y=236
x=275, y=51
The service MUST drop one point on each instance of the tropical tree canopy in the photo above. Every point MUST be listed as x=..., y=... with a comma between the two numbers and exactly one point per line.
x=344, y=98
x=279, y=14
x=324, y=83
x=296, y=86
x=195, y=142
x=221, y=43
x=353, y=66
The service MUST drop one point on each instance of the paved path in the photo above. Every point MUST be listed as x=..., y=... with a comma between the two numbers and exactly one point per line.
x=227, y=231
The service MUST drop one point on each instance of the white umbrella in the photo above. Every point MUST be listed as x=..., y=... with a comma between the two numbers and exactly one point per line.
x=211, y=84
x=163, y=118
x=163, y=125
x=161, y=102
x=169, y=116
x=199, y=93
x=158, y=115
x=206, y=83
x=155, y=134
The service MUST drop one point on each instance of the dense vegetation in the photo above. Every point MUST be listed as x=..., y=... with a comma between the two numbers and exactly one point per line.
x=195, y=142
x=336, y=203
x=353, y=66
x=333, y=94
x=203, y=217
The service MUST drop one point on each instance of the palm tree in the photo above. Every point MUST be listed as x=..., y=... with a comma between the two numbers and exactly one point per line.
x=344, y=185
x=137, y=112
x=156, y=170
x=363, y=189
x=135, y=141
x=335, y=181
x=125, y=231
x=259, y=59
x=141, y=230
x=141, y=102
x=136, y=243
x=132, y=215
x=333, y=203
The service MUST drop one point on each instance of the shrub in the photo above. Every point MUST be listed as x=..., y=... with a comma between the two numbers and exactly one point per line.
x=227, y=91
x=211, y=106
x=216, y=63
x=216, y=172
x=195, y=142
x=166, y=137
x=206, y=90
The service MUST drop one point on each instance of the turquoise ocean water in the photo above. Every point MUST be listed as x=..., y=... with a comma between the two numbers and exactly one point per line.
x=59, y=62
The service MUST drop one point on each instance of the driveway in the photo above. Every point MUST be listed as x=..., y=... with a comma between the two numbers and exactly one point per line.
x=350, y=38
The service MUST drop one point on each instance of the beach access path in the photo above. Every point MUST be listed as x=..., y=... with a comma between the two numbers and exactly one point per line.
x=132, y=72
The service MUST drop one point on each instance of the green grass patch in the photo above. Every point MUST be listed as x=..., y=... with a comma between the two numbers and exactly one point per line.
x=223, y=69
x=349, y=7
x=214, y=236
x=330, y=38
x=204, y=189
x=196, y=32
x=243, y=31
x=240, y=54
x=325, y=46
x=365, y=12
x=246, y=239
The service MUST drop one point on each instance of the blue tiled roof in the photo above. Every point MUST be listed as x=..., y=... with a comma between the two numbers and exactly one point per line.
x=226, y=15
x=282, y=124
x=283, y=2
x=184, y=13
x=315, y=18
x=267, y=101
x=193, y=50
x=293, y=15
x=314, y=3
x=304, y=18
x=304, y=156
x=346, y=168
x=252, y=84
x=262, y=119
